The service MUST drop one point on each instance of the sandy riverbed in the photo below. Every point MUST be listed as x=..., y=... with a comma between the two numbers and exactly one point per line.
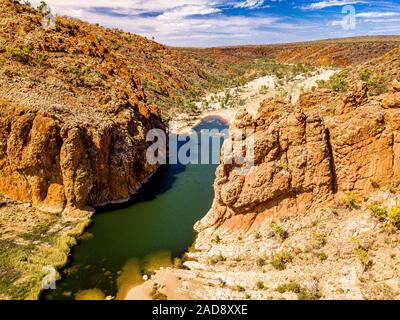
x=253, y=93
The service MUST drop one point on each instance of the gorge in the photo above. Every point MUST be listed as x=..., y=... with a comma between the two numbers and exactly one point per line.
x=317, y=217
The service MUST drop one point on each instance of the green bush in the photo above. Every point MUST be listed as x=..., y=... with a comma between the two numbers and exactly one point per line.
x=260, y=285
x=363, y=256
x=322, y=256
x=239, y=289
x=376, y=83
x=257, y=235
x=79, y=72
x=22, y=55
x=349, y=201
x=322, y=84
x=365, y=74
x=260, y=262
x=280, y=260
x=338, y=82
x=278, y=230
x=294, y=287
x=378, y=212
x=394, y=216
x=291, y=286
x=319, y=239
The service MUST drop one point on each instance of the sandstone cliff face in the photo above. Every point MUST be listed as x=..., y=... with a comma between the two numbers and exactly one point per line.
x=308, y=154
x=306, y=158
x=55, y=162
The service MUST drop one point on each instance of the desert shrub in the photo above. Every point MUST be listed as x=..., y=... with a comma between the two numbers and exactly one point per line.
x=362, y=254
x=376, y=83
x=393, y=215
x=79, y=72
x=319, y=239
x=216, y=259
x=257, y=235
x=338, y=82
x=22, y=55
x=278, y=230
x=241, y=102
x=322, y=84
x=264, y=89
x=378, y=212
x=294, y=287
x=300, y=68
x=195, y=91
x=291, y=286
x=40, y=58
x=260, y=285
x=349, y=201
x=260, y=262
x=285, y=165
x=280, y=260
x=365, y=74
x=322, y=256
x=239, y=289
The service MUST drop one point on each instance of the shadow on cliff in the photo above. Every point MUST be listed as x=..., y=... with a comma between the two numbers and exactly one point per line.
x=162, y=181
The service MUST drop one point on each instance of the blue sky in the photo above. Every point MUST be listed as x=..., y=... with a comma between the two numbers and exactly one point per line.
x=205, y=23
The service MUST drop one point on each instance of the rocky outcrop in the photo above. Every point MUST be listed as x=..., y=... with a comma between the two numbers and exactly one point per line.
x=305, y=159
x=56, y=162
x=393, y=99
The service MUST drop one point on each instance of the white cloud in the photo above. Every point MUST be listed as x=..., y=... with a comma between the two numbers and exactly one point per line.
x=250, y=4
x=329, y=3
x=377, y=14
x=189, y=10
x=176, y=22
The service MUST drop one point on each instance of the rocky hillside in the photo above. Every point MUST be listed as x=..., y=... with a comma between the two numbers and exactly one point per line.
x=73, y=112
x=318, y=214
x=333, y=52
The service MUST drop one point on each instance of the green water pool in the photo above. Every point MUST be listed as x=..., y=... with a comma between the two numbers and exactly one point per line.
x=158, y=219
